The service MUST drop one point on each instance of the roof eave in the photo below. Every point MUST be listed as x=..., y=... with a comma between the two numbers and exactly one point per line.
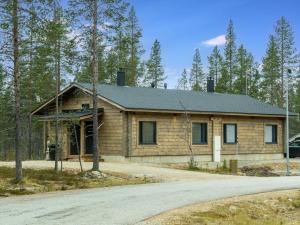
x=208, y=113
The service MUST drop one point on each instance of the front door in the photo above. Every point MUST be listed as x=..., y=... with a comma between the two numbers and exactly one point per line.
x=88, y=125
x=74, y=139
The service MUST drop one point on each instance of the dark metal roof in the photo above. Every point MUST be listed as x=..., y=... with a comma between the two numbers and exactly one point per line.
x=192, y=101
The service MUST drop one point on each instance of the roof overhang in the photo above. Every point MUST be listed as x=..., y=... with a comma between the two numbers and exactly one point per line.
x=210, y=113
x=70, y=116
x=72, y=85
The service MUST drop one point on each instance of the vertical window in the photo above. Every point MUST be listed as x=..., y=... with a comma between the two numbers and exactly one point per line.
x=147, y=132
x=230, y=133
x=199, y=133
x=271, y=134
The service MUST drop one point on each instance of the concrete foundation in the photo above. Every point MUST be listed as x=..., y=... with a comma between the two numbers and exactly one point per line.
x=205, y=161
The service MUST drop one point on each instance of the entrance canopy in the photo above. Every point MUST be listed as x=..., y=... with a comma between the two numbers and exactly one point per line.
x=69, y=115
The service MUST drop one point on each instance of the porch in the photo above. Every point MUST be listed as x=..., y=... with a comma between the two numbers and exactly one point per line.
x=75, y=133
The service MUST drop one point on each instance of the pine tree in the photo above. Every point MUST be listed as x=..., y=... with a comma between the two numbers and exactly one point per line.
x=183, y=81
x=230, y=55
x=197, y=74
x=271, y=74
x=284, y=38
x=215, y=61
x=155, y=70
x=16, y=76
x=109, y=16
x=134, y=34
x=244, y=71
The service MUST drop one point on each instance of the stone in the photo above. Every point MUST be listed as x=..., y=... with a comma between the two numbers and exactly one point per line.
x=232, y=209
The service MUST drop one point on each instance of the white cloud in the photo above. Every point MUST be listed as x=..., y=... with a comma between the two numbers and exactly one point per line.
x=219, y=40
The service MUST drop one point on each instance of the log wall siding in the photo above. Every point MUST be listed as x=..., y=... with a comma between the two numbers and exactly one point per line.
x=171, y=135
x=119, y=133
x=171, y=129
x=111, y=135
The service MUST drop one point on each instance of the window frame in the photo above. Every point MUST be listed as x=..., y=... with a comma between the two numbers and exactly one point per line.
x=276, y=134
x=206, y=141
x=225, y=134
x=140, y=130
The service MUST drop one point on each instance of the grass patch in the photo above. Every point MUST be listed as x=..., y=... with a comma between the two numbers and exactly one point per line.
x=281, y=209
x=223, y=169
x=46, y=180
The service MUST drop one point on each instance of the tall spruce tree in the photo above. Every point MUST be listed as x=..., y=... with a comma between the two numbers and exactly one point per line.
x=271, y=85
x=223, y=85
x=215, y=61
x=155, y=70
x=183, y=82
x=197, y=74
x=287, y=52
x=134, y=34
x=255, y=82
x=230, y=55
x=244, y=71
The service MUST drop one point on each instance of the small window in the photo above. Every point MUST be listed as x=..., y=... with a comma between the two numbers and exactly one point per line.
x=199, y=133
x=85, y=106
x=147, y=130
x=230, y=133
x=271, y=134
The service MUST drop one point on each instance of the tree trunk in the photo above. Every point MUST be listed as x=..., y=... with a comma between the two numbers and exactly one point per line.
x=30, y=92
x=16, y=74
x=30, y=135
x=95, y=81
x=57, y=78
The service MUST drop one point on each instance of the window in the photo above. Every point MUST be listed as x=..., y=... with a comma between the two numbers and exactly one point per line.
x=271, y=134
x=85, y=106
x=199, y=133
x=147, y=132
x=230, y=133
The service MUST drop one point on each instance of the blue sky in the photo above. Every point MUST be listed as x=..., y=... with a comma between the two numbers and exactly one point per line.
x=183, y=25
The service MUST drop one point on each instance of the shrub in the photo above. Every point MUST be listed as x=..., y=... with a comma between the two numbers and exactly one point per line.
x=192, y=164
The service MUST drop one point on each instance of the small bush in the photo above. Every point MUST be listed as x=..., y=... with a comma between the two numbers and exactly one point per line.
x=192, y=164
x=296, y=203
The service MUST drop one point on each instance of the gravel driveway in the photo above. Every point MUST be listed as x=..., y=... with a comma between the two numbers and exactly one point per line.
x=133, y=169
x=129, y=204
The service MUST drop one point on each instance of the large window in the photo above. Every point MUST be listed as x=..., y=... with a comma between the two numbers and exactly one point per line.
x=271, y=134
x=147, y=132
x=230, y=133
x=199, y=133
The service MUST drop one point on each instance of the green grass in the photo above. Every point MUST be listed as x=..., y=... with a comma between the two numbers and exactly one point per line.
x=45, y=180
